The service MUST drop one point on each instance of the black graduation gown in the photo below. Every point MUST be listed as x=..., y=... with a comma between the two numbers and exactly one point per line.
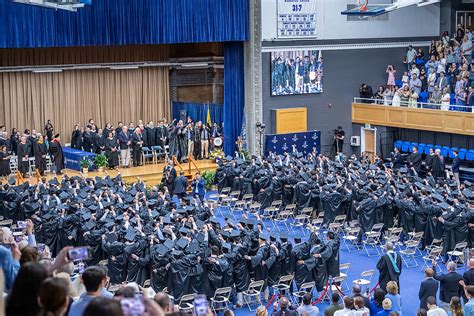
x=455, y=229
x=23, y=153
x=415, y=161
x=4, y=164
x=241, y=273
x=56, y=151
x=437, y=168
x=98, y=143
x=87, y=141
x=117, y=261
x=112, y=152
x=318, y=266
x=40, y=156
x=149, y=137
x=260, y=270
x=159, y=271
x=215, y=274
x=94, y=240
x=387, y=271
x=273, y=265
x=76, y=140
x=180, y=276
x=286, y=258
x=332, y=263
x=137, y=269
x=302, y=271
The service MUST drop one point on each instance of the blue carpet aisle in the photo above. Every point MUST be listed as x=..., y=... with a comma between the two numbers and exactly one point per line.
x=409, y=281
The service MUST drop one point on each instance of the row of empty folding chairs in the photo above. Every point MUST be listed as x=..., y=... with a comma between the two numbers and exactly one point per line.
x=31, y=165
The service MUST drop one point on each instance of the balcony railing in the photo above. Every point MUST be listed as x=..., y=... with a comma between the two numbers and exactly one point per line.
x=419, y=105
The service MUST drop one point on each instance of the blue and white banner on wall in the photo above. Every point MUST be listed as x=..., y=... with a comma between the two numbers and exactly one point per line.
x=296, y=18
x=304, y=142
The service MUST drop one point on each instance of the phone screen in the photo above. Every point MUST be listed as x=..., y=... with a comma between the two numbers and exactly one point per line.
x=41, y=247
x=133, y=306
x=201, y=306
x=79, y=253
x=21, y=224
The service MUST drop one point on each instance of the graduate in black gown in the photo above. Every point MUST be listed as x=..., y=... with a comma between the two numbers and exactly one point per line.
x=389, y=266
x=56, y=151
x=112, y=150
x=4, y=162
x=76, y=138
x=23, y=156
x=41, y=153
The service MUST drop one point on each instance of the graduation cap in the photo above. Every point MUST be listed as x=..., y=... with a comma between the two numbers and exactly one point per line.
x=133, y=191
x=89, y=225
x=109, y=224
x=227, y=246
x=193, y=247
x=213, y=220
x=419, y=185
x=181, y=243
x=54, y=181
x=169, y=244
x=162, y=249
x=167, y=220
x=240, y=161
x=93, y=207
x=299, y=155
x=200, y=224
x=32, y=206
x=181, y=211
x=134, y=221
x=467, y=183
x=262, y=237
x=228, y=158
x=130, y=235
x=183, y=230
x=176, y=253
x=468, y=194
x=444, y=205
x=234, y=233
x=11, y=181
x=438, y=197
x=111, y=237
x=305, y=176
x=154, y=214
x=86, y=215
x=401, y=186
x=129, y=198
x=47, y=216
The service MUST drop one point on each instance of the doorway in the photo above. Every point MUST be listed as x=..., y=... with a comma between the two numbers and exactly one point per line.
x=369, y=142
x=466, y=18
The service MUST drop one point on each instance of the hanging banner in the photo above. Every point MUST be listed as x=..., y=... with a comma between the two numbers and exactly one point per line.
x=296, y=18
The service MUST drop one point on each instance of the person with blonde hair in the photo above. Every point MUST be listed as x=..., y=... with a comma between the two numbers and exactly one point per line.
x=395, y=298
x=387, y=308
x=261, y=311
x=456, y=307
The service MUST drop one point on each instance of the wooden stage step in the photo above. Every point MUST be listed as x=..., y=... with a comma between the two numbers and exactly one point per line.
x=149, y=173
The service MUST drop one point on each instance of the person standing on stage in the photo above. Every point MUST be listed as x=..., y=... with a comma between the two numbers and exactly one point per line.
x=137, y=143
x=56, y=151
x=40, y=155
x=389, y=266
x=23, y=156
x=125, y=143
x=339, y=135
x=204, y=142
x=455, y=167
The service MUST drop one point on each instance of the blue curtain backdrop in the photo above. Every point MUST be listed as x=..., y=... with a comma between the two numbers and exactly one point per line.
x=234, y=94
x=198, y=111
x=122, y=22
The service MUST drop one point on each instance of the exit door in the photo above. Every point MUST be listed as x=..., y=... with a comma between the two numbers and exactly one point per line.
x=369, y=142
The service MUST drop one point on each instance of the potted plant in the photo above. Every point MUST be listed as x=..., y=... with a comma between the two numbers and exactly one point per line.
x=209, y=177
x=101, y=162
x=85, y=164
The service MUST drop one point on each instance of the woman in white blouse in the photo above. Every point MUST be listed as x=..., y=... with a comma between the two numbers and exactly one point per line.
x=445, y=100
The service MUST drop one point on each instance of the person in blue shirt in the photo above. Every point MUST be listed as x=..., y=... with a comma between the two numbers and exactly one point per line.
x=392, y=294
x=10, y=264
x=94, y=278
x=469, y=306
x=198, y=186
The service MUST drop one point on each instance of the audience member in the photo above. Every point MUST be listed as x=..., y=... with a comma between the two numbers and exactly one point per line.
x=53, y=297
x=307, y=307
x=392, y=294
x=455, y=306
x=469, y=306
x=348, y=307
x=93, y=279
x=163, y=300
x=433, y=309
x=284, y=310
x=356, y=292
x=428, y=287
x=360, y=308
x=101, y=306
x=376, y=302
x=449, y=284
x=23, y=296
x=335, y=306
x=387, y=308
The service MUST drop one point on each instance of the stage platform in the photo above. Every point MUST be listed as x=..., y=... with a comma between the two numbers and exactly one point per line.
x=150, y=173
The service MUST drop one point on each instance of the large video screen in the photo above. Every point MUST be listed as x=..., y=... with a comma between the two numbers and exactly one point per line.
x=297, y=72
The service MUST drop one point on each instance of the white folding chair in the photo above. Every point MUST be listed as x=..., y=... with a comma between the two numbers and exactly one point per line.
x=186, y=303
x=364, y=281
x=284, y=285
x=344, y=271
x=282, y=217
x=269, y=214
x=307, y=287
x=433, y=254
x=350, y=238
x=457, y=254
x=408, y=254
x=222, y=298
x=336, y=288
x=253, y=293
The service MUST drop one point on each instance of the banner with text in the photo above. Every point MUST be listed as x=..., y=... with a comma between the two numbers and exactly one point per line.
x=296, y=18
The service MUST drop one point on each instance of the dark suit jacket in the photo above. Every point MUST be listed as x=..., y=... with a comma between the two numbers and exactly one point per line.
x=288, y=312
x=428, y=287
x=180, y=184
x=456, y=164
x=123, y=140
x=397, y=160
x=449, y=285
x=468, y=277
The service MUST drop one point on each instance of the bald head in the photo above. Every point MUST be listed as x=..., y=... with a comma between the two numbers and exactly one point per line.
x=471, y=263
x=163, y=300
x=356, y=289
x=284, y=302
x=389, y=246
